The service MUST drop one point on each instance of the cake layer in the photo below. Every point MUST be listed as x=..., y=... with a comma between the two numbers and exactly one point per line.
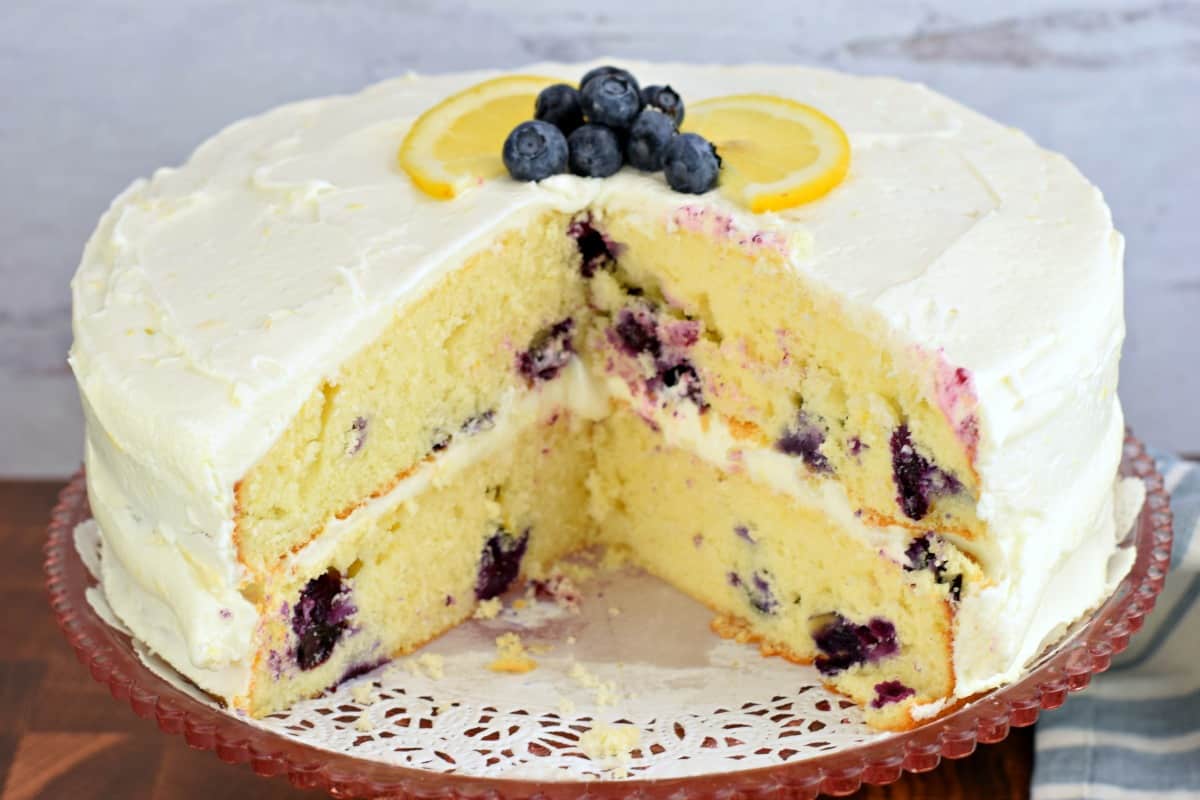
x=401, y=578
x=783, y=571
x=436, y=373
x=790, y=365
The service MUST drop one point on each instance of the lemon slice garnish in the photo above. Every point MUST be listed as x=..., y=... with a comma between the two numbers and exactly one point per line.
x=775, y=153
x=457, y=143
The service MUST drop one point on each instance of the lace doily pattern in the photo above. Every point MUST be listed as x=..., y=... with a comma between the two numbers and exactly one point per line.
x=460, y=731
x=417, y=730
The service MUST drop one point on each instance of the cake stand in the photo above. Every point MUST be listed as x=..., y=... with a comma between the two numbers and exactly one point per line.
x=407, y=734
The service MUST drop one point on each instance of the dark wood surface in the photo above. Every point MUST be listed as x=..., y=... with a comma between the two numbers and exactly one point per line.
x=63, y=736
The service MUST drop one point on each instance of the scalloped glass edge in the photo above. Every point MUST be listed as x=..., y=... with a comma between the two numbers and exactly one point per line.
x=986, y=719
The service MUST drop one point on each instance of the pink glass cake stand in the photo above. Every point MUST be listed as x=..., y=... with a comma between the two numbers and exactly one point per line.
x=111, y=658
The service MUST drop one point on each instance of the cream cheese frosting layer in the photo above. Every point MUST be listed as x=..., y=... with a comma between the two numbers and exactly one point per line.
x=213, y=298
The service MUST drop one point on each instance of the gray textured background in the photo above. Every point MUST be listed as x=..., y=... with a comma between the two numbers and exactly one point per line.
x=94, y=94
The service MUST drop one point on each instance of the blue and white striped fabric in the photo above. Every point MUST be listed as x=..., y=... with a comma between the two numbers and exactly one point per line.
x=1134, y=734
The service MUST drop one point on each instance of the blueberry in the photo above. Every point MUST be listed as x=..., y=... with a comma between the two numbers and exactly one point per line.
x=612, y=99
x=596, y=72
x=803, y=438
x=319, y=618
x=535, y=150
x=682, y=376
x=665, y=99
x=559, y=105
x=920, y=555
x=637, y=333
x=844, y=644
x=760, y=595
x=757, y=590
x=500, y=563
x=918, y=480
x=595, y=151
x=652, y=131
x=691, y=164
x=548, y=353
x=890, y=692
x=595, y=250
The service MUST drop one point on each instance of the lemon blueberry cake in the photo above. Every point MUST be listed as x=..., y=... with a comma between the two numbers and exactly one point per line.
x=846, y=376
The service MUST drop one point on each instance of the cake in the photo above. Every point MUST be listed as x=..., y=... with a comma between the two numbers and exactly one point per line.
x=328, y=414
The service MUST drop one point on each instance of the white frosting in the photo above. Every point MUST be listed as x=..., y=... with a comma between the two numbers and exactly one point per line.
x=213, y=298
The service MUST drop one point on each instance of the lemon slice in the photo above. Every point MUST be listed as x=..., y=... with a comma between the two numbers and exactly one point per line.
x=775, y=153
x=457, y=143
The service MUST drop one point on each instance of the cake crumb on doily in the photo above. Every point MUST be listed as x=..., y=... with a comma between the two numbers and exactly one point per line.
x=363, y=693
x=429, y=665
x=604, y=692
x=363, y=723
x=488, y=609
x=728, y=627
x=566, y=706
x=433, y=664
x=511, y=656
x=611, y=745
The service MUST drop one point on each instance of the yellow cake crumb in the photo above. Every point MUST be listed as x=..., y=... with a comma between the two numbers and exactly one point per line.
x=363, y=723
x=728, y=627
x=611, y=745
x=428, y=665
x=519, y=603
x=613, y=611
x=433, y=664
x=488, y=609
x=363, y=694
x=604, y=692
x=511, y=656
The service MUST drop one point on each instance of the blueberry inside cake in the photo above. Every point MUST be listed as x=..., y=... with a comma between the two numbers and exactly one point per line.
x=878, y=432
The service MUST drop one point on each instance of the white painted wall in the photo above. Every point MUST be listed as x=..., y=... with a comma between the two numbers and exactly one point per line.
x=93, y=94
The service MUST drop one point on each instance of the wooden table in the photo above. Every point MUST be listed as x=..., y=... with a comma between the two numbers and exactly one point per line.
x=63, y=736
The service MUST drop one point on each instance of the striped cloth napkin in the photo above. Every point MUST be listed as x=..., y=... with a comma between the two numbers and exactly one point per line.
x=1134, y=734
